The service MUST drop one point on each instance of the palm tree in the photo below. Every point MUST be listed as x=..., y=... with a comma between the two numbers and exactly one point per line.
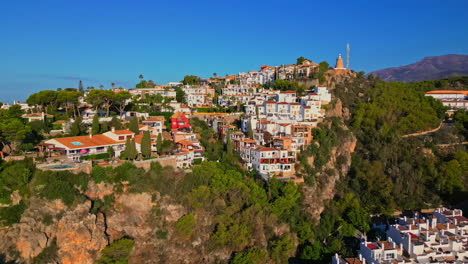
x=113, y=85
x=101, y=86
x=215, y=74
x=141, y=79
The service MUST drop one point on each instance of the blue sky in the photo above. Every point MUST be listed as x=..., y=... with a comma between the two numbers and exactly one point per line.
x=49, y=44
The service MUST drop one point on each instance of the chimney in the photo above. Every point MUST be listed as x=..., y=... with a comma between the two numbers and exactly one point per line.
x=113, y=129
x=90, y=134
x=447, y=225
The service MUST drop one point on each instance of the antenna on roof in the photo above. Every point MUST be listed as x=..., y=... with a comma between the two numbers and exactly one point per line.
x=348, y=50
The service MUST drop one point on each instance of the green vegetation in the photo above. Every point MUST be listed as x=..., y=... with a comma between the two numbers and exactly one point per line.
x=184, y=226
x=285, y=85
x=96, y=156
x=48, y=254
x=133, y=125
x=146, y=144
x=118, y=252
x=191, y=80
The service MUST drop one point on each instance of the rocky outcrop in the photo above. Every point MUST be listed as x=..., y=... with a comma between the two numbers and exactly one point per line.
x=80, y=235
x=129, y=216
x=317, y=195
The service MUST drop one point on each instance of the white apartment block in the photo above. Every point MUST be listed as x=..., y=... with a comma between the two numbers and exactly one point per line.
x=438, y=238
x=171, y=93
x=269, y=161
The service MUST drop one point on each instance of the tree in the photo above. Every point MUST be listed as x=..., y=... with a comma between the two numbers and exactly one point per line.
x=43, y=99
x=250, y=132
x=69, y=98
x=104, y=127
x=113, y=85
x=12, y=132
x=159, y=144
x=300, y=60
x=184, y=226
x=191, y=80
x=95, y=128
x=146, y=144
x=133, y=125
x=130, y=151
x=115, y=123
x=250, y=256
x=120, y=101
x=323, y=66
x=80, y=87
x=110, y=152
x=118, y=252
x=215, y=74
x=101, y=98
x=180, y=95
x=101, y=86
x=77, y=127
x=281, y=249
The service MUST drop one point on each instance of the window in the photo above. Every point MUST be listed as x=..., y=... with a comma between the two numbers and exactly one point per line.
x=121, y=138
x=389, y=256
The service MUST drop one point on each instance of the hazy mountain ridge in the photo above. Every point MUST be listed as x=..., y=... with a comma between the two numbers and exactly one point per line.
x=429, y=68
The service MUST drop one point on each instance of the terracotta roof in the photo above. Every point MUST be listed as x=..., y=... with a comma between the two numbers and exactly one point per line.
x=154, y=119
x=287, y=92
x=353, y=261
x=448, y=92
x=80, y=142
x=122, y=132
x=36, y=115
x=371, y=246
x=265, y=149
x=177, y=114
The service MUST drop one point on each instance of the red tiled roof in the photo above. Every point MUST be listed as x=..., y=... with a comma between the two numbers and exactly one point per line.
x=123, y=132
x=265, y=149
x=86, y=141
x=371, y=246
x=154, y=119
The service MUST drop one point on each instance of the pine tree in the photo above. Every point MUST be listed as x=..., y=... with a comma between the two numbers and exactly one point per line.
x=110, y=152
x=95, y=125
x=229, y=148
x=76, y=127
x=80, y=86
x=133, y=125
x=130, y=152
x=115, y=123
x=104, y=127
x=146, y=145
x=250, y=132
x=159, y=144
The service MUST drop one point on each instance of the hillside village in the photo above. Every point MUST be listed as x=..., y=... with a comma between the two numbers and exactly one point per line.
x=266, y=119
x=266, y=124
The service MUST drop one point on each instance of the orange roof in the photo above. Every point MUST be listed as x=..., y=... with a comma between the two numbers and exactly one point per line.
x=177, y=114
x=353, y=261
x=36, y=115
x=287, y=92
x=448, y=92
x=154, y=119
x=265, y=149
x=123, y=132
x=80, y=142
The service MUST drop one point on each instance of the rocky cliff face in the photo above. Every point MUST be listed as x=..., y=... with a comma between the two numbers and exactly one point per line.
x=324, y=188
x=81, y=232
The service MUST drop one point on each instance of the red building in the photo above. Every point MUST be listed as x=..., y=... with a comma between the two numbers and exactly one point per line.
x=179, y=120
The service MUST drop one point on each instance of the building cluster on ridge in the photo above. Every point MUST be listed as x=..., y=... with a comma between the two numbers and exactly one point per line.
x=271, y=127
x=440, y=237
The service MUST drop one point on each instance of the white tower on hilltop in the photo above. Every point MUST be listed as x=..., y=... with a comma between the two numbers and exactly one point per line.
x=348, y=50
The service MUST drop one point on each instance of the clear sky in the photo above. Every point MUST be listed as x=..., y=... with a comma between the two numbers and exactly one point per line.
x=47, y=44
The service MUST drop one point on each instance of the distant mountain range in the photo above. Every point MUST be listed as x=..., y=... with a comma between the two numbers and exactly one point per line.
x=429, y=68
